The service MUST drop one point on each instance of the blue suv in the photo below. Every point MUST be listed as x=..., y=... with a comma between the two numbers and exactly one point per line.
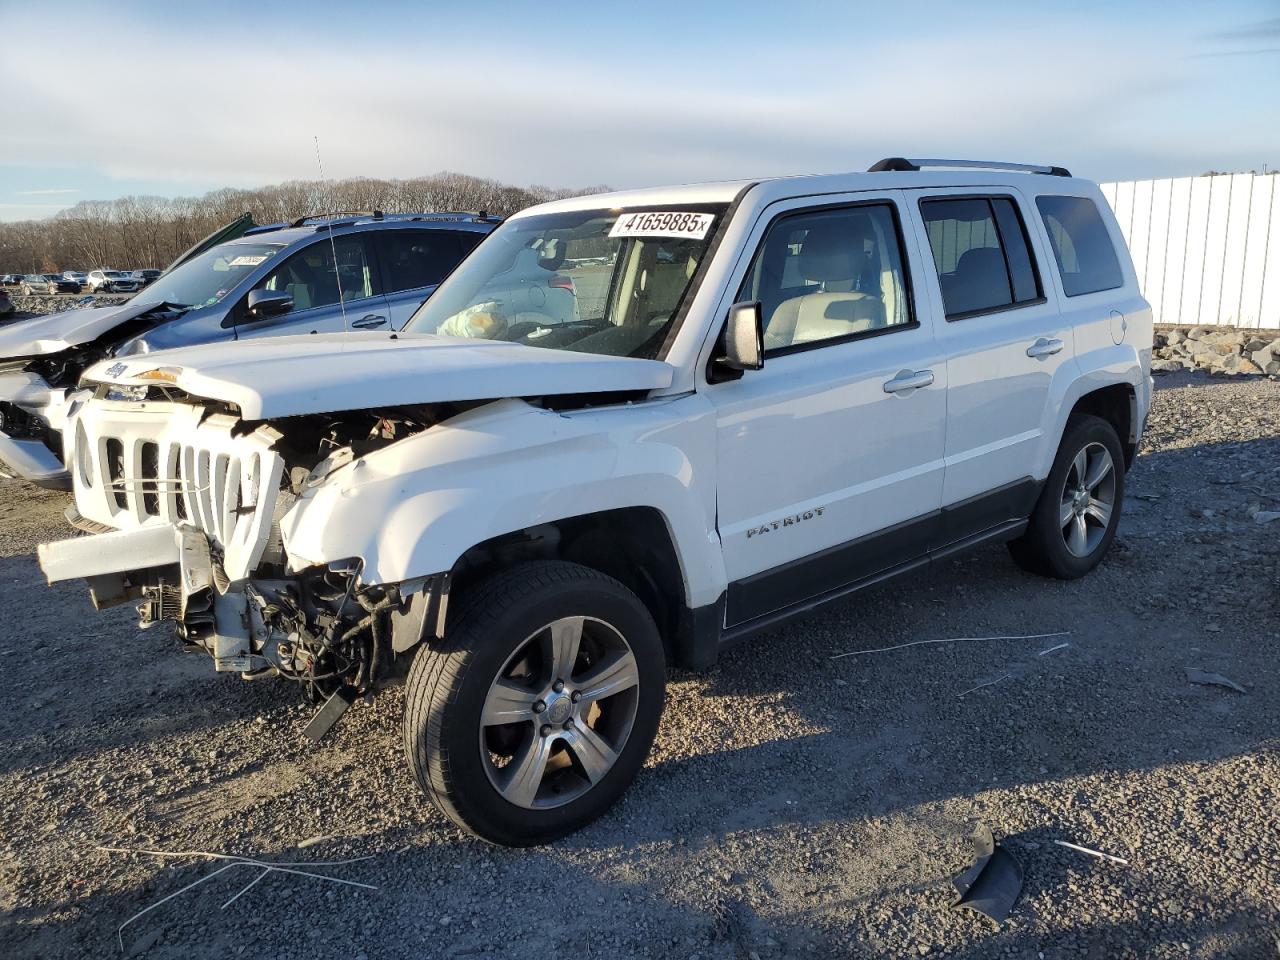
x=324, y=274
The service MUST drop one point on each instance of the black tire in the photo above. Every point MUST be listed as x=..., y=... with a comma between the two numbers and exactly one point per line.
x=1043, y=548
x=447, y=686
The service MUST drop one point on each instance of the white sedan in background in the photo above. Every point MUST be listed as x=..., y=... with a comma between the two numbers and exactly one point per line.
x=113, y=281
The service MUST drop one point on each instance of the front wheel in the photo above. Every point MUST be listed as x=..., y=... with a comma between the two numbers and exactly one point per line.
x=1075, y=519
x=539, y=708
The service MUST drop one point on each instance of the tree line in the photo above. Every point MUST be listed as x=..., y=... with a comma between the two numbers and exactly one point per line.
x=135, y=232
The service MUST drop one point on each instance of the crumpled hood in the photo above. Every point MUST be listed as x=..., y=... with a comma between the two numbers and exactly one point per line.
x=55, y=332
x=325, y=373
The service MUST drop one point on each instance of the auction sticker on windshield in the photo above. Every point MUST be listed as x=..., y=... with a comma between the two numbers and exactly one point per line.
x=664, y=223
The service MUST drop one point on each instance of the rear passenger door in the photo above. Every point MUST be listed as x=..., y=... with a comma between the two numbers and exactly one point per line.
x=415, y=261
x=1008, y=353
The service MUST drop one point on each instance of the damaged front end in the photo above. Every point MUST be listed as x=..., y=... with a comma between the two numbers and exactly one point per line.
x=34, y=393
x=193, y=501
x=37, y=387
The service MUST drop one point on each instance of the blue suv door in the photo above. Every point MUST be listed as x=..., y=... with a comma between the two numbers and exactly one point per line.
x=325, y=299
x=414, y=261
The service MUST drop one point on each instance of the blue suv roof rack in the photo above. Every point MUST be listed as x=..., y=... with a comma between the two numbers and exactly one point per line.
x=336, y=215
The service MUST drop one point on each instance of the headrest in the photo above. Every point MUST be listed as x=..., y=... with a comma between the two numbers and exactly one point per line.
x=835, y=250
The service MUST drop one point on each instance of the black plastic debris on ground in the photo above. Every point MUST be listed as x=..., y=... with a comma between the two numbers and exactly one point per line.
x=992, y=884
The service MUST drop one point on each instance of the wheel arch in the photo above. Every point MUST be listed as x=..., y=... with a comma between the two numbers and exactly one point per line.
x=633, y=545
x=1117, y=404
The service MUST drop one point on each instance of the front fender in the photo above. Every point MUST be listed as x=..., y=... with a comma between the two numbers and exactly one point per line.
x=412, y=509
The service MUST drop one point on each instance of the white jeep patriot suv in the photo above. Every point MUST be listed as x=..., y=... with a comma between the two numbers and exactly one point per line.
x=767, y=395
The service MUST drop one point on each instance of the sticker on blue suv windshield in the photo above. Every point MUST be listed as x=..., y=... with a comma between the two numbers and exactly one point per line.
x=246, y=261
x=664, y=223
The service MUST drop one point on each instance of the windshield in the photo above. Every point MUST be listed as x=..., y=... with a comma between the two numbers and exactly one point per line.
x=210, y=276
x=598, y=281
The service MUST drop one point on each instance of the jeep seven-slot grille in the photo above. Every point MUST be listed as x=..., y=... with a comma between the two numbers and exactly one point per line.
x=180, y=469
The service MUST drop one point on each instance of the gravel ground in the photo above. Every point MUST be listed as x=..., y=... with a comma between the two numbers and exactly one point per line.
x=794, y=806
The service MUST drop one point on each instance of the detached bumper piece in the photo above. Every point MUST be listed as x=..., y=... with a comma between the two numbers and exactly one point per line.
x=171, y=570
x=31, y=459
x=116, y=552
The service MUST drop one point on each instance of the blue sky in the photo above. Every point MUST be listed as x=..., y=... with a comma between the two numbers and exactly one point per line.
x=172, y=100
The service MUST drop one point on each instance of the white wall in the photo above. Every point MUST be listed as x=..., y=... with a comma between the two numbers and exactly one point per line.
x=1207, y=249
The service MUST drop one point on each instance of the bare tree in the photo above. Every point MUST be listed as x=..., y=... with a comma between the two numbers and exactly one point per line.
x=134, y=232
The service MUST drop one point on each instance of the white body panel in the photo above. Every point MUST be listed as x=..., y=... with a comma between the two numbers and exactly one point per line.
x=816, y=431
x=508, y=466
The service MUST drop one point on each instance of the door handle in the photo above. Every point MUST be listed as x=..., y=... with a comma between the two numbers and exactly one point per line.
x=1044, y=347
x=369, y=321
x=908, y=380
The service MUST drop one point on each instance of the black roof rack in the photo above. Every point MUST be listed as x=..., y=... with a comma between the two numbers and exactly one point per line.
x=889, y=164
x=303, y=221
x=453, y=216
x=347, y=217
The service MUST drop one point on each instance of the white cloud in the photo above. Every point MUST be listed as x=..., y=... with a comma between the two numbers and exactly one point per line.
x=46, y=192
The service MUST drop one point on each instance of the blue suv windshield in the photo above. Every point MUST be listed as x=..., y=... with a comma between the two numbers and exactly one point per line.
x=207, y=278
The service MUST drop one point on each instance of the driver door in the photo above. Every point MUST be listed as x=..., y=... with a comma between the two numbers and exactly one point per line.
x=325, y=299
x=831, y=455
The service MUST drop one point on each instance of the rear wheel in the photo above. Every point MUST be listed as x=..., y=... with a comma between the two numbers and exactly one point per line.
x=539, y=708
x=1075, y=519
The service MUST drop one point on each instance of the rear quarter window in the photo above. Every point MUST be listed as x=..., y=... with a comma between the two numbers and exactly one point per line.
x=1087, y=260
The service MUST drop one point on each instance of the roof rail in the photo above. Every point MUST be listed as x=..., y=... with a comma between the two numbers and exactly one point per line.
x=461, y=216
x=302, y=221
x=345, y=219
x=903, y=164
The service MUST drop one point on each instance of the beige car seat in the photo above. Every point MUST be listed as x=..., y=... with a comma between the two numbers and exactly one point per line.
x=832, y=256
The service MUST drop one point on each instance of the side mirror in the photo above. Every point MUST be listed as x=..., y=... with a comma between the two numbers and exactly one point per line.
x=742, y=345
x=263, y=304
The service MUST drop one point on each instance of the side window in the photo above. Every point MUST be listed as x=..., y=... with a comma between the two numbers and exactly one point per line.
x=419, y=258
x=981, y=252
x=310, y=278
x=1086, y=257
x=829, y=274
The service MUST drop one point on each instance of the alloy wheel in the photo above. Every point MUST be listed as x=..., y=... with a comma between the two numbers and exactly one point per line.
x=559, y=712
x=1088, y=499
